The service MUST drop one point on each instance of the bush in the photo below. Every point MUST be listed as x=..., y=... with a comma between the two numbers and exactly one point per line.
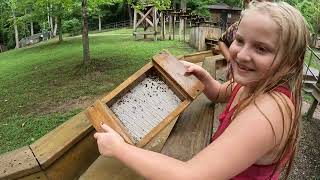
x=72, y=26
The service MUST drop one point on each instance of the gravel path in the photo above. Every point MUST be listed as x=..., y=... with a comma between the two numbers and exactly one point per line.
x=307, y=161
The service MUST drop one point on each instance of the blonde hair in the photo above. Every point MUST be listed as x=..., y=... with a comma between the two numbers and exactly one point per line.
x=293, y=37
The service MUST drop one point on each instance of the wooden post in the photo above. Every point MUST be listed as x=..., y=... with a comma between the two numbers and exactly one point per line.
x=170, y=25
x=173, y=25
x=162, y=26
x=155, y=22
x=184, y=29
x=180, y=27
x=145, y=27
x=312, y=109
x=135, y=22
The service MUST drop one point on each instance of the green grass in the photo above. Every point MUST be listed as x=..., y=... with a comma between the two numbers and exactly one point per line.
x=307, y=97
x=37, y=83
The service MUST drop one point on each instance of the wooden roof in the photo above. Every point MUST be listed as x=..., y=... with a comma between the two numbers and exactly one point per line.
x=223, y=6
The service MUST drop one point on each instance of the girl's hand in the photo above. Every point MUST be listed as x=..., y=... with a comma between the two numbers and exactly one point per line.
x=108, y=141
x=193, y=69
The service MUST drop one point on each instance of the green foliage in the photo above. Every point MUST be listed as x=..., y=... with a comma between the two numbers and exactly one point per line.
x=159, y=4
x=200, y=7
x=311, y=11
x=72, y=26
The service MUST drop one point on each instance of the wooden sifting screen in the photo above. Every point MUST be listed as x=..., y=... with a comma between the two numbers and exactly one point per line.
x=147, y=101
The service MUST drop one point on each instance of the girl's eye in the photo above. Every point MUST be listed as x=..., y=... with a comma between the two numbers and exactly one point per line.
x=261, y=50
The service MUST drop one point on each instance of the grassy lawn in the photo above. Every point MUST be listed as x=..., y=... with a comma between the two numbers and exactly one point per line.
x=42, y=85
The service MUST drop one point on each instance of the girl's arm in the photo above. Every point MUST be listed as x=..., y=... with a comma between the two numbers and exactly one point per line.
x=243, y=143
x=224, y=50
x=214, y=90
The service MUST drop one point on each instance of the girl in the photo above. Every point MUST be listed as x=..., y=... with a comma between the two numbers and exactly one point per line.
x=258, y=133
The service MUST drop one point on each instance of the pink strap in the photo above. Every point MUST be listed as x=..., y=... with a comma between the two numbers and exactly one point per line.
x=233, y=95
x=284, y=90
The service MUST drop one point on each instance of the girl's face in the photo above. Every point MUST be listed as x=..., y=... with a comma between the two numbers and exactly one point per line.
x=254, y=48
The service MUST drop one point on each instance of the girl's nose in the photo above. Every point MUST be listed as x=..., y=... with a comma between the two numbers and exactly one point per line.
x=244, y=54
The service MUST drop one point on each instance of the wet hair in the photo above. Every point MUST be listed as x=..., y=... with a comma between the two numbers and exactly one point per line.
x=293, y=38
x=246, y=2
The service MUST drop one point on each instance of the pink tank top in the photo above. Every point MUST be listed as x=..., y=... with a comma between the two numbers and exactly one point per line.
x=254, y=172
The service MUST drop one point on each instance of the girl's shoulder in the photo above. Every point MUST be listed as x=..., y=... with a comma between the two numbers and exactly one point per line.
x=274, y=108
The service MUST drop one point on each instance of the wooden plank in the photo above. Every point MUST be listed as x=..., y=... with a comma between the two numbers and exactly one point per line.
x=54, y=144
x=193, y=129
x=18, y=163
x=75, y=161
x=99, y=112
x=112, y=169
x=145, y=33
x=36, y=176
x=196, y=57
x=175, y=69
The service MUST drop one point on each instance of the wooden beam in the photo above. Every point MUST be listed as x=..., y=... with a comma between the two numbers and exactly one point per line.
x=53, y=145
x=144, y=17
x=155, y=22
x=175, y=69
x=193, y=129
x=18, y=163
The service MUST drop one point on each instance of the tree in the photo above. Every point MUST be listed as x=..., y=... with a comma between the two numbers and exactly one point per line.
x=311, y=11
x=13, y=6
x=85, y=38
x=58, y=9
x=159, y=4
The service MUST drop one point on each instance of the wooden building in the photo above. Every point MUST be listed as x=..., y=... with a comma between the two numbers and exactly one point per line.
x=224, y=15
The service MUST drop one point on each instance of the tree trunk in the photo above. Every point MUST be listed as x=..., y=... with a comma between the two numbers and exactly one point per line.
x=51, y=20
x=130, y=15
x=55, y=26
x=31, y=28
x=85, y=37
x=183, y=7
x=99, y=22
x=16, y=33
x=48, y=18
x=60, y=28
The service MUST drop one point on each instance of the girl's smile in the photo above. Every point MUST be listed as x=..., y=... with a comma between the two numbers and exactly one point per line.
x=243, y=68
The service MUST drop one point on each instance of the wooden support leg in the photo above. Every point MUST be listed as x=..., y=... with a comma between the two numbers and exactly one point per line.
x=312, y=109
x=173, y=27
x=170, y=26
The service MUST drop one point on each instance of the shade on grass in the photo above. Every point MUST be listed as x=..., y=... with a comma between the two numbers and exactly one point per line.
x=35, y=82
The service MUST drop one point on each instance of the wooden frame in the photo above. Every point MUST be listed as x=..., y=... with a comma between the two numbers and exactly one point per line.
x=149, y=12
x=187, y=88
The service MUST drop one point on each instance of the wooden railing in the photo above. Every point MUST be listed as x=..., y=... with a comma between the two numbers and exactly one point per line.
x=312, y=77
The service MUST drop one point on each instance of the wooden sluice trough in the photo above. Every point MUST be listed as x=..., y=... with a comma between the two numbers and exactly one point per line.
x=70, y=151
